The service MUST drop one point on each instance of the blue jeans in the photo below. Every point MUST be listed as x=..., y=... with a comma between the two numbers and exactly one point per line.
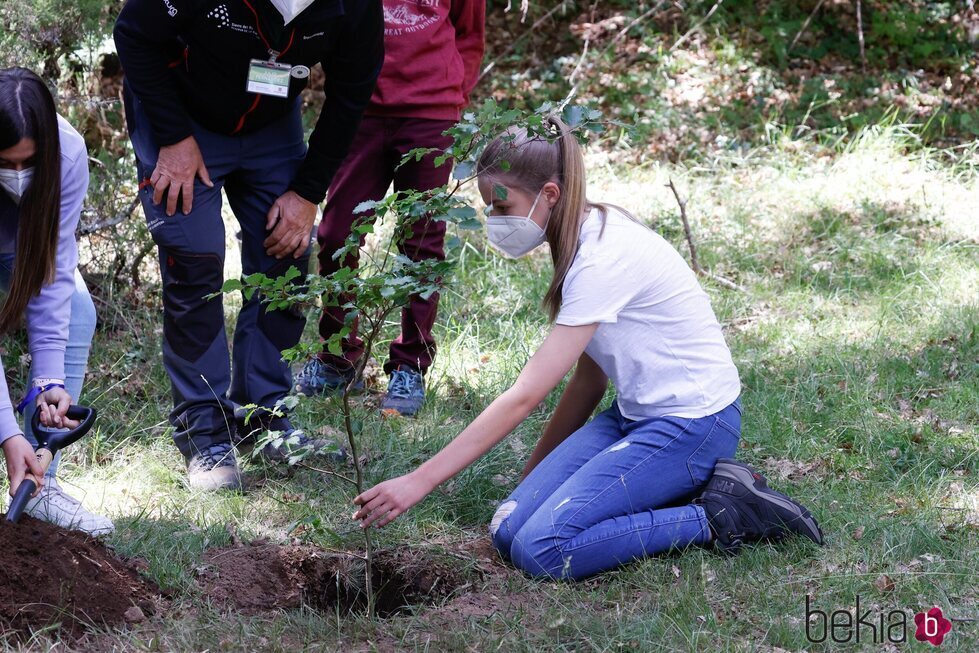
x=81, y=328
x=614, y=491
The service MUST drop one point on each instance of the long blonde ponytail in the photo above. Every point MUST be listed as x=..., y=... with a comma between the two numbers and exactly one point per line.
x=527, y=162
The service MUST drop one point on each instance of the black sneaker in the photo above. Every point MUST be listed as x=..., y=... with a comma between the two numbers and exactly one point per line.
x=319, y=378
x=742, y=508
x=214, y=468
x=284, y=441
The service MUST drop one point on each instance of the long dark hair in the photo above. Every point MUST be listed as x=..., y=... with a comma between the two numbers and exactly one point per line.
x=27, y=111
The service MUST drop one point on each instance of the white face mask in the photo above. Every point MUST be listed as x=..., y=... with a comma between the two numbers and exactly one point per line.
x=15, y=182
x=291, y=8
x=516, y=235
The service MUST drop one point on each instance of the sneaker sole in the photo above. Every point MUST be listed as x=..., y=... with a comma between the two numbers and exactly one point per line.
x=741, y=473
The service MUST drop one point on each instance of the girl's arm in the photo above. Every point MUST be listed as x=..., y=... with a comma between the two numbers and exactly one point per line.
x=585, y=389
x=562, y=347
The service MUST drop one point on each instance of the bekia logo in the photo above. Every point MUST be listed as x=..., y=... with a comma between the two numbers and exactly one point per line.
x=880, y=627
x=932, y=626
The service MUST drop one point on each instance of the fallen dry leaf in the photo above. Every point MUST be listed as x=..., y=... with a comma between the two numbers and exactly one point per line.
x=328, y=431
x=884, y=583
x=783, y=468
x=858, y=534
x=390, y=413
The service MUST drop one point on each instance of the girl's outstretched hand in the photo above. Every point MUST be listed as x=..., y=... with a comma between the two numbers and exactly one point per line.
x=385, y=501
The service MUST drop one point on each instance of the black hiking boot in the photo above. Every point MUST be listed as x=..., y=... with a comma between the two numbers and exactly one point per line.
x=741, y=508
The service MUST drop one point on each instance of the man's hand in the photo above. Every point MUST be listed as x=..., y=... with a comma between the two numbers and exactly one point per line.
x=52, y=406
x=291, y=222
x=20, y=460
x=177, y=167
x=385, y=501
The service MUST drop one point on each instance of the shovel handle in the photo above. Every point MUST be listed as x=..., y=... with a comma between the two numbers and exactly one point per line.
x=19, y=502
x=57, y=439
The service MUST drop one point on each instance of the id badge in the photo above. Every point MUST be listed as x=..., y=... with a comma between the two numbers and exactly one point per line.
x=268, y=78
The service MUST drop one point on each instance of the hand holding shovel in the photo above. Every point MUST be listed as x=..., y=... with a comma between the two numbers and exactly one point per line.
x=50, y=441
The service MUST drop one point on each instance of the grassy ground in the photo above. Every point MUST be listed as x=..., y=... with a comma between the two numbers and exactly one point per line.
x=858, y=345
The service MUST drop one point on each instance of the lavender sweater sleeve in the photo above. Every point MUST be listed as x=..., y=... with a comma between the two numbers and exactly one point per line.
x=8, y=423
x=49, y=312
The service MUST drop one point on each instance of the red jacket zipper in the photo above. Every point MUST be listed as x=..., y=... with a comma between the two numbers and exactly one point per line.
x=258, y=97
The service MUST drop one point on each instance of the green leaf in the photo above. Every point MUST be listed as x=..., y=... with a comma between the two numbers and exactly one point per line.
x=453, y=243
x=464, y=170
x=572, y=115
x=365, y=207
x=462, y=212
x=288, y=402
x=231, y=285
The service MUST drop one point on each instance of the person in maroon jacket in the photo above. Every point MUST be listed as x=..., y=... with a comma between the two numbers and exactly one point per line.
x=433, y=50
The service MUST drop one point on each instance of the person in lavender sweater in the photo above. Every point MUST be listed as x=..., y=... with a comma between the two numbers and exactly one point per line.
x=43, y=177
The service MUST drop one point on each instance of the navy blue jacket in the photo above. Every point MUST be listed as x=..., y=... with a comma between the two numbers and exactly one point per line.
x=188, y=60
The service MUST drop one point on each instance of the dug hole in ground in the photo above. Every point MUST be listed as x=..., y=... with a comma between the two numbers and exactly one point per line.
x=55, y=576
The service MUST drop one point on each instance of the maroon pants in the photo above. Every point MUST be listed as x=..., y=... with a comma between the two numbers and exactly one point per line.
x=366, y=174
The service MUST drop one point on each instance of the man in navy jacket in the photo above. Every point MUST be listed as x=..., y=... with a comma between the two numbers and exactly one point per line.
x=212, y=102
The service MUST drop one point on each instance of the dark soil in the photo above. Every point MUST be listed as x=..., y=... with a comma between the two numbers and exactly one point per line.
x=51, y=575
x=258, y=577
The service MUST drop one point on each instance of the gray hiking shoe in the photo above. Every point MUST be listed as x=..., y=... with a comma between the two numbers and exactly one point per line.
x=214, y=468
x=319, y=378
x=406, y=392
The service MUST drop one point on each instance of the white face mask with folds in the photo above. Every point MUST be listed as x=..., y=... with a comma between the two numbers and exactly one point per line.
x=516, y=235
x=16, y=182
x=291, y=8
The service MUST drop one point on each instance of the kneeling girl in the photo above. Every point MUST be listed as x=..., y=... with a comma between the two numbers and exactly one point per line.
x=655, y=471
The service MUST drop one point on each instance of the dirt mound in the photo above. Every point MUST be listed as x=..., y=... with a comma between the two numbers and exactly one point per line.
x=52, y=575
x=267, y=576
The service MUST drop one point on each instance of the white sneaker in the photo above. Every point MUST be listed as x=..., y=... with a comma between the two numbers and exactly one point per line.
x=54, y=506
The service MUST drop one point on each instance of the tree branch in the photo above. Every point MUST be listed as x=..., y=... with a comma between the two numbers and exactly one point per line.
x=805, y=26
x=697, y=26
x=328, y=472
x=863, y=54
x=688, y=234
x=85, y=230
x=625, y=30
x=514, y=42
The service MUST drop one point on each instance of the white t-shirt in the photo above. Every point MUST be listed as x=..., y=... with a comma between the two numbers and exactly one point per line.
x=658, y=339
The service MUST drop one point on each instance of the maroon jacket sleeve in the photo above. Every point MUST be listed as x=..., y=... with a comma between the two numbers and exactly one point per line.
x=469, y=19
